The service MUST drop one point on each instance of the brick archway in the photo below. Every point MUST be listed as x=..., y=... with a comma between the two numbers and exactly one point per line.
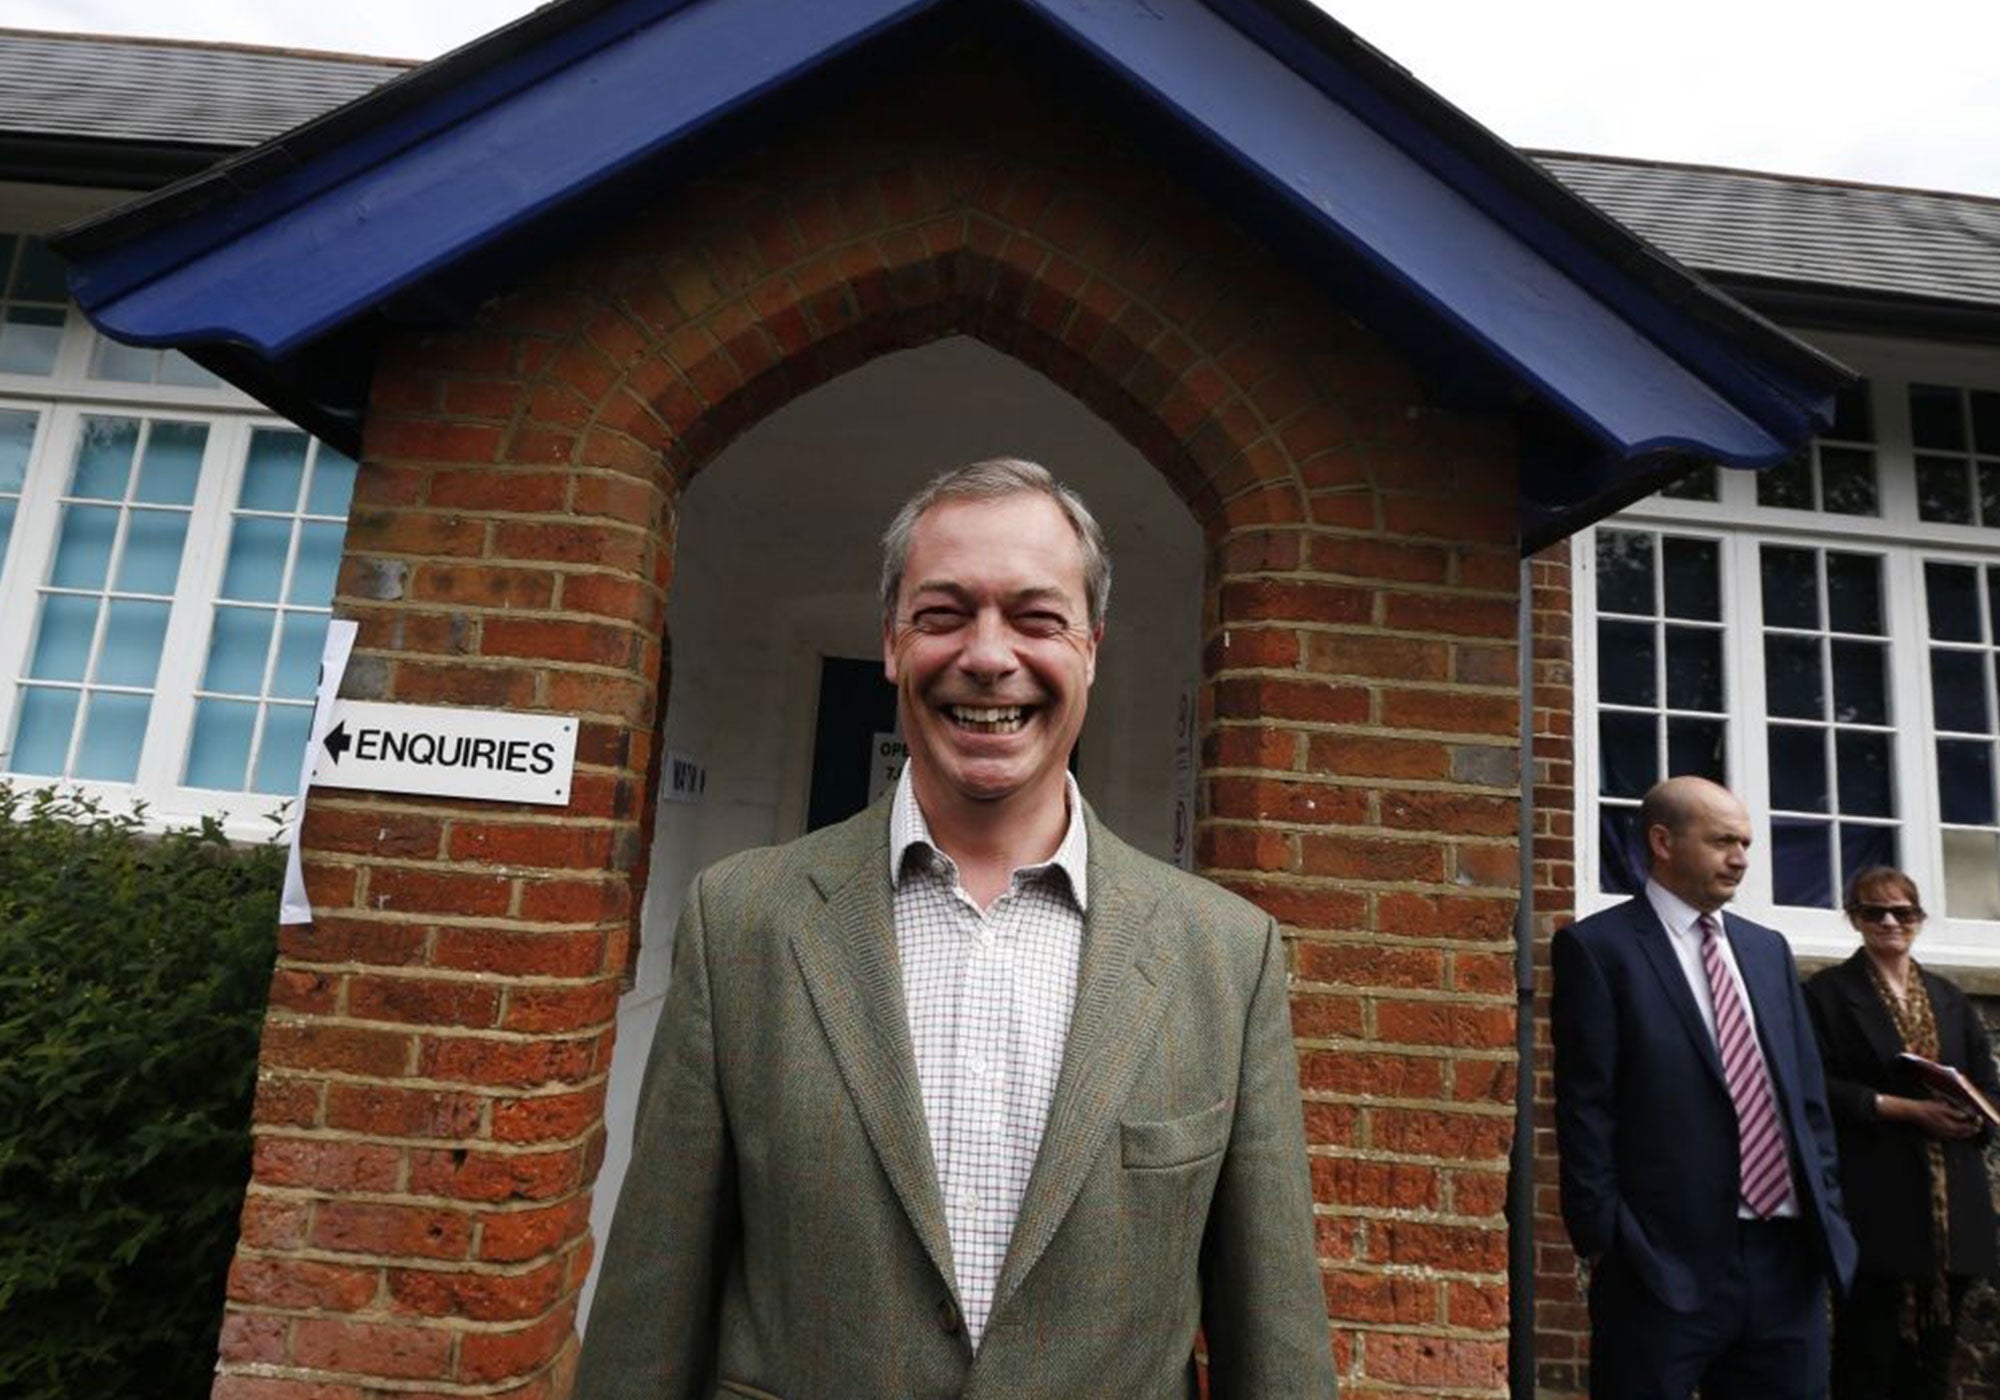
x=433, y=1068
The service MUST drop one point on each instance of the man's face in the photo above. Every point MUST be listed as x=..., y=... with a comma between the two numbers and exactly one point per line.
x=991, y=651
x=1704, y=861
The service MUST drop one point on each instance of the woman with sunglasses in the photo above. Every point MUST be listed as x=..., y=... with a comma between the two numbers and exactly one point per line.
x=1911, y=1170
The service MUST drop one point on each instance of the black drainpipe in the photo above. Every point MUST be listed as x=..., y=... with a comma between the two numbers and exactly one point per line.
x=1521, y=1162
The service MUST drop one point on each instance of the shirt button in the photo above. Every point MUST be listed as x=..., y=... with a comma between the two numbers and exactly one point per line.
x=968, y=1201
x=976, y=1065
x=948, y=1318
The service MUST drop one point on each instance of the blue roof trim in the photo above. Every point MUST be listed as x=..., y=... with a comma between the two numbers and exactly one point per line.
x=406, y=211
x=276, y=267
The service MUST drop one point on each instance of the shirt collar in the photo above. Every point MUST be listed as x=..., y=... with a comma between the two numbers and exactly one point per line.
x=1675, y=913
x=907, y=829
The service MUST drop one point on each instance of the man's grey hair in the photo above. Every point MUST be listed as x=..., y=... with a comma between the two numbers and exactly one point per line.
x=992, y=480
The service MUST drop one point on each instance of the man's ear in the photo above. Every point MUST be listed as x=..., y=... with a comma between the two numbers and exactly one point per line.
x=1090, y=661
x=889, y=650
x=1657, y=839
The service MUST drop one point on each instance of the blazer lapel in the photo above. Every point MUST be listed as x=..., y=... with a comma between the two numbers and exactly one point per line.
x=1871, y=1017
x=1120, y=999
x=846, y=951
x=1658, y=949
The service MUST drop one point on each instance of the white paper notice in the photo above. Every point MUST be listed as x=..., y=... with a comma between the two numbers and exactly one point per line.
x=295, y=908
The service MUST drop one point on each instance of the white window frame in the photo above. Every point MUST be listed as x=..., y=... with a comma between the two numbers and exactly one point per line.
x=1742, y=527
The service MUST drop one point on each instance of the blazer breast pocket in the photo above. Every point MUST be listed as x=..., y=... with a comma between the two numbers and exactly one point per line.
x=1177, y=1142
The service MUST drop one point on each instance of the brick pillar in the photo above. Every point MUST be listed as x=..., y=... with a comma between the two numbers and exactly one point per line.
x=434, y=1062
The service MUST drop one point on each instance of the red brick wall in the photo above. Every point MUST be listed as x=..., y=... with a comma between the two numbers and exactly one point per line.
x=434, y=1063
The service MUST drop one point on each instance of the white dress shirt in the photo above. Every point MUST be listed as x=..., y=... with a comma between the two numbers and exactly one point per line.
x=989, y=995
x=1682, y=922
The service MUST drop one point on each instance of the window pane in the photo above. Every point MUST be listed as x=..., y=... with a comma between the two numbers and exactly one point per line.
x=1694, y=578
x=1788, y=485
x=1862, y=846
x=1935, y=419
x=1972, y=874
x=1793, y=681
x=1860, y=683
x=1694, y=668
x=1625, y=572
x=83, y=550
x=237, y=649
x=1986, y=422
x=1697, y=485
x=319, y=562
x=151, y=562
x=122, y=364
x=172, y=465
x=1951, y=593
x=332, y=483
x=286, y=729
x=133, y=634
x=17, y=440
x=62, y=642
x=1866, y=788
x=104, y=458
x=220, y=751
x=1847, y=481
x=1965, y=781
x=256, y=568
x=1801, y=864
x=41, y=740
x=276, y=466
x=1853, y=414
x=6, y=526
x=1694, y=747
x=1621, y=864
x=1798, y=768
x=41, y=275
x=303, y=637
x=30, y=337
x=1629, y=749
x=1854, y=593
x=1943, y=494
x=1625, y=669
x=114, y=728
x=176, y=368
x=1958, y=691
x=1791, y=587
x=1989, y=493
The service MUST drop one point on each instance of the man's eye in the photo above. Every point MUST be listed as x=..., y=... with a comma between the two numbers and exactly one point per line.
x=936, y=619
x=1041, y=624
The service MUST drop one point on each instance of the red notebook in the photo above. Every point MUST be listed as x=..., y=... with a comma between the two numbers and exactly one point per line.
x=1949, y=1084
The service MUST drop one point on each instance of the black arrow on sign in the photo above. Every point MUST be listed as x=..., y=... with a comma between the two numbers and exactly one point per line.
x=337, y=742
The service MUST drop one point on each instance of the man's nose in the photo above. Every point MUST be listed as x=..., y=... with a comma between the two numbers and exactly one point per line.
x=989, y=650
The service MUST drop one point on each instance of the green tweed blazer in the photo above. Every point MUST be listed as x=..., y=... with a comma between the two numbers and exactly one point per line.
x=781, y=1235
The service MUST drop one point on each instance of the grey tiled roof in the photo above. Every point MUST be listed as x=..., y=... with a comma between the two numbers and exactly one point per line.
x=181, y=94
x=1907, y=243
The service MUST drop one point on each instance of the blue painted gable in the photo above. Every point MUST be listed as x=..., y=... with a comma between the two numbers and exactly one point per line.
x=282, y=268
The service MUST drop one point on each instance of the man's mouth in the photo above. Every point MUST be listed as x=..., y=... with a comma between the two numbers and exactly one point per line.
x=988, y=719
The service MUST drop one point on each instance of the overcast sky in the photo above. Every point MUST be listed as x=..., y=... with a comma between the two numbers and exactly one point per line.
x=1903, y=93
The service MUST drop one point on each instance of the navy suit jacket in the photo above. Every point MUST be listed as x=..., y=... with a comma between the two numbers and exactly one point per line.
x=1644, y=1125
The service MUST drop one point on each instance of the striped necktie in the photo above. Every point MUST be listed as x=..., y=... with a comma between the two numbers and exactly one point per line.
x=1763, y=1168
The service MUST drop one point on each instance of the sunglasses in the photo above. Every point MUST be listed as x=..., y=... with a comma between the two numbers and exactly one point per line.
x=1875, y=913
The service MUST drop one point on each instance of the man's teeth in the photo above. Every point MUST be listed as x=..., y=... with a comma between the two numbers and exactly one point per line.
x=994, y=717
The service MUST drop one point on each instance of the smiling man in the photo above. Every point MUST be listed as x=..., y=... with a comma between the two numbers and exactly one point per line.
x=1692, y=1123
x=964, y=1096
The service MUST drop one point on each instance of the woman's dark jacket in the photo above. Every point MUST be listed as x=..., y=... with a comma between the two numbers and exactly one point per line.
x=1884, y=1176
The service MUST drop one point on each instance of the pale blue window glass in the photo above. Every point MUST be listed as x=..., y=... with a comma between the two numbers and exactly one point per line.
x=256, y=569
x=123, y=364
x=286, y=729
x=30, y=336
x=104, y=458
x=332, y=483
x=237, y=649
x=83, y=548
x=319, y=561
x=6, y=525
x=133, y=634
x=301, y=638
x=272, y=474
x=114, y=729
x=152, y=559
x=176, y=368
x=41, y=739
x=172, y=465
x=220, y=751
x=62, y=642
x=17, y=438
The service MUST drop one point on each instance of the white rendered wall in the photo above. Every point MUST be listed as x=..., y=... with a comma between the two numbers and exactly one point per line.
x=775, y=567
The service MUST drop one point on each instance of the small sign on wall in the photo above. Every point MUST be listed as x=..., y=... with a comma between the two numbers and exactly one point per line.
x=683, y=777
x=440, y=751
x=886, y=756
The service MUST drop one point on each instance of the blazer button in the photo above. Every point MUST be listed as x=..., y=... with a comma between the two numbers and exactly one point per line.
x=948, y=1318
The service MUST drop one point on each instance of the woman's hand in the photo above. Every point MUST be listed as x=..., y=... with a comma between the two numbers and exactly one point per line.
x=1933, y=1117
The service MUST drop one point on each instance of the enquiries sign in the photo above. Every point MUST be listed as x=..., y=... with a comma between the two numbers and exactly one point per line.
x=491, y=755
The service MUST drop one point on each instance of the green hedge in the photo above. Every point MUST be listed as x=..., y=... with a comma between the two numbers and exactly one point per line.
x=133, y=976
